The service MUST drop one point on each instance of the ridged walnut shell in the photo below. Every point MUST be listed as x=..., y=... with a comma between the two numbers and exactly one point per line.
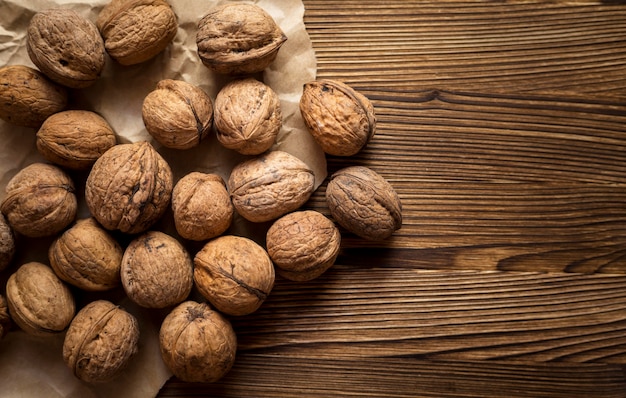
x=40, y=201
x=100, y=342
x=364, y=203
x=129, y=187
x=135, y=31
x=339, y=118
x=7, y=243
x=177, y=114
x=234, y=274
x=238, y=38
x=303, y=245
x=75, y=139
x=87, y=256
x=197, y=343
x=271, y=185
x=66, y=47
x=39, y=302
x=28, y=97
x=5, y=318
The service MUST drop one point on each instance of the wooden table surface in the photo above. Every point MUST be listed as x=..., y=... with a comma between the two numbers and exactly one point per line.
x=502, y=126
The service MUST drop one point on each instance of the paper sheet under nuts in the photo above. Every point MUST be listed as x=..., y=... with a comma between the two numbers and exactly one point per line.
x=33, y=366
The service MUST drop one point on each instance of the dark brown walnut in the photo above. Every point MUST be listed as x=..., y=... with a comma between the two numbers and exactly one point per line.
x=28, y=97
x=201, y=205
x=238, y=38
x=5, y=318
x=339, y=118
x=177, y=114
x=303, y=245
x=100, y=342
x=7, y=243
x=129, y=187
x=66, y=47
x=39, y=302
x=197, y=343
x=234, y=274
x=40, y=201
x=269, y=186
x=87, y=256
x=75, y=139
x=135, y=31
x=157, y=271
x=364, y=203
x=247, y=116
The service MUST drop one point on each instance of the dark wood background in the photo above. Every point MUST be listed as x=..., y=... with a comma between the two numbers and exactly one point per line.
x=502, y=125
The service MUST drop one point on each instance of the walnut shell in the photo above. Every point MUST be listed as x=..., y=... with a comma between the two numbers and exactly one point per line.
x=7, y=243
x=157, y=271
x=75, y=139
x=234, y=273
x=5, y=319
x=202, y=207
x=87, y=257
x=28, y=97
x=129, y=187
x=271, y=185
x=238, y=39
x=339, y=118
x=303, y=245
x=197, y=343
x=247, y=116
x=364, y=203
x=135, y=31
x=100, y=342
x=40, y=201
x=39, y=302
x=177, y=114
x=66, y=47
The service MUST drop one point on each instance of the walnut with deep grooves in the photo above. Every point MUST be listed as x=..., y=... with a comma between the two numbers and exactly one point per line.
x=7, y=243
x=5, y=318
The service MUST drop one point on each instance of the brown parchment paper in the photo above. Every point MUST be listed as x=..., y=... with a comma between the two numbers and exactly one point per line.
x=33, y=366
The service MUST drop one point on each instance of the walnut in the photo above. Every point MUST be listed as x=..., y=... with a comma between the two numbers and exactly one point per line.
x=238, y=39
x=271, y=185
x=157, y=271
x=303, y=245
x=177, y=114
x=75, y=139
x=338, y=117
x=40, y=201
x=197, y=343
x=39, y=302
x=129, y=187
x=7, y=243
x=364, y=203
x=234, y=273
x=5, y=319
x=66, y=47
x=135, y=31
x=87, y=257
x=100, y=342
x=202, y=207
x=28, y=97
x=247, y=116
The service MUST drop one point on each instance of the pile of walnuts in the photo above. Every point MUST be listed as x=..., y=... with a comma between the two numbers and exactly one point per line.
x=130, y=186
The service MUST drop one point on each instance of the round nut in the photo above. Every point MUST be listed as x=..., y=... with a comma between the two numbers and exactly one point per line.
x=7, y=243
x=247, y=116
x=157, y=271
x=177, y=114
x=339, y=118
x=129, y=187
x=39, y=302
x=75, y=139
x=5, y=319
x=234, y=273
x=201, y=206
x=135, y=31
x=197, y=343
x=66, y=47
x=40, y=201
x=238, y=38
x=303, y=245
x=100, y=342
x=364, y=203
x=28, y=97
